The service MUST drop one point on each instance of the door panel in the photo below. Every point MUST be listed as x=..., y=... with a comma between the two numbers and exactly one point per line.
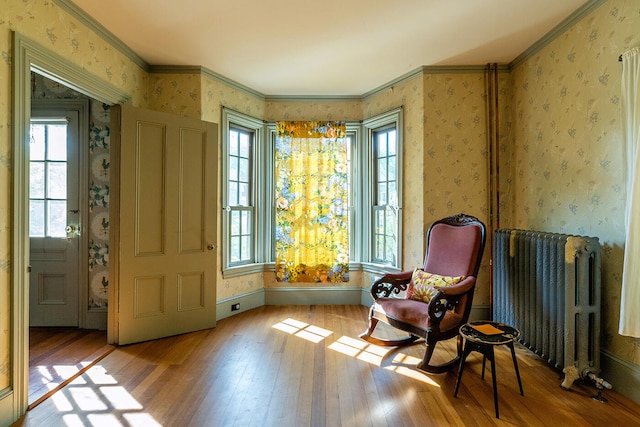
x=167, y=225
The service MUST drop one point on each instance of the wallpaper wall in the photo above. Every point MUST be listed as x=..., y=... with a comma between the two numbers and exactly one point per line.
x=97, y=229
x=565, y=155
x=455, y=154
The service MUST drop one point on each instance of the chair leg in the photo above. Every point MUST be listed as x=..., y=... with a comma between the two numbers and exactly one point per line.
x=438, y=369
x=372, y=325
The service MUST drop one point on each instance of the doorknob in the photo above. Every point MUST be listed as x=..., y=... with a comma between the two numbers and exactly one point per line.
x=211, y=246
x=71, y=231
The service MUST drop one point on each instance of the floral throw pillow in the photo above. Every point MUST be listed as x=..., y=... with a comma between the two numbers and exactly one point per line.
x=422, y=285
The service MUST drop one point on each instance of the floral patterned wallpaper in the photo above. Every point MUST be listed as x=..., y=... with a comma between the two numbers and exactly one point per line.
x=455, y=153
x=99, y=162
x=563, y=170
x=176, y=94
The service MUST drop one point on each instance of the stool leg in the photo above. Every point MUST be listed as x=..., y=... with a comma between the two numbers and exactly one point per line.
x=493, y=377
x=484, y=361
x=465, y=353
x=515, y=365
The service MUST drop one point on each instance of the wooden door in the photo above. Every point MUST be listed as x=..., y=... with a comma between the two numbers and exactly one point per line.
x=165, y=234
x=54, y=217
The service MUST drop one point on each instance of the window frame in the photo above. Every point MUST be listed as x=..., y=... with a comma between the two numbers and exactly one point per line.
x=234, y=120
x=371, y=126
x=362, y=186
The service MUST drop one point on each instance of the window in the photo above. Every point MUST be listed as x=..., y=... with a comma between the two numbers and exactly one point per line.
x=48, y=178
x=374, y=159
x=241, y=146
x=385, y=188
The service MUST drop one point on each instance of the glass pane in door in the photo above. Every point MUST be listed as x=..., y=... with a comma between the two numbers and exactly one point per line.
x=48, y=179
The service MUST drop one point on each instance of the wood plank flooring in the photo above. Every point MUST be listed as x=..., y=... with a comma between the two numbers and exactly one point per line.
x=305, y=366
x=58, y=354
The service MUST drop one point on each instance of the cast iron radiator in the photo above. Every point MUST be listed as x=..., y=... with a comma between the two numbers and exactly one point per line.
x=547, y=285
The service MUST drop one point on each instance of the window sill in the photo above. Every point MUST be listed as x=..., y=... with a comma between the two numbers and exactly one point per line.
x=243, y=270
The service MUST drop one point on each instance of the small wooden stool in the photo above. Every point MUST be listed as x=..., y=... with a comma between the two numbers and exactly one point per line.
x=483, y=336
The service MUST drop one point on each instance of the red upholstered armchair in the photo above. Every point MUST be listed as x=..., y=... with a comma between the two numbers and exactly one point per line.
x=439, y=296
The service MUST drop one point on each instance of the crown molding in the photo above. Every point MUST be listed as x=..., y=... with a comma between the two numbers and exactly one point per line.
x=204, y=71
x=93, y=25
x=558, y=30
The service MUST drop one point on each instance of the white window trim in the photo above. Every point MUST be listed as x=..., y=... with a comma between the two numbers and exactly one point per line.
x=258, y=178
x=370, y=126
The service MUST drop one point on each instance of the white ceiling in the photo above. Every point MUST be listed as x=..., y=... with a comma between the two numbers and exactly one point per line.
x=328, y=47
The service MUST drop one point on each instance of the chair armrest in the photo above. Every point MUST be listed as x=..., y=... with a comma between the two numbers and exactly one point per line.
x=458, y=288
x=390, y=283
x=447, y=299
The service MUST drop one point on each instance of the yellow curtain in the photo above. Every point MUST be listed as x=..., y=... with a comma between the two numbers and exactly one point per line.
x=312, y=202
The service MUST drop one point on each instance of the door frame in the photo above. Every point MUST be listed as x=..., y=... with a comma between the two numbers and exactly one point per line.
x=81, y=106
x=29, y=56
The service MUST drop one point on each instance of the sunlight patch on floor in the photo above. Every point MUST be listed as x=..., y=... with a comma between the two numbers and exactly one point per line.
x=95, y=399
x=302, y=330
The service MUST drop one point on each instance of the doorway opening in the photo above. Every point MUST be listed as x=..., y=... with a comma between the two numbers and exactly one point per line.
x=68, y=235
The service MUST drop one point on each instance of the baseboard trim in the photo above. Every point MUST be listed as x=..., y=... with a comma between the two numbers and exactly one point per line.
x=304, y=296
x=247, y=301
x=622, y=375
x=95, y=319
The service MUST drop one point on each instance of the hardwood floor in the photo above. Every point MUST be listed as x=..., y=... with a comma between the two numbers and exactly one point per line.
x=56, y=355
x=305, y=366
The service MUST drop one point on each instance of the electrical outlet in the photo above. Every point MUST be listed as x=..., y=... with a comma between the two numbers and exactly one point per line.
x=235, y=306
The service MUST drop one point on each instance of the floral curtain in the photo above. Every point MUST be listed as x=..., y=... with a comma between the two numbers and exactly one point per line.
x=312, y=203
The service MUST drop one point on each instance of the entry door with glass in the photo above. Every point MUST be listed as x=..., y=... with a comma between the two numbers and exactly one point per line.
x=53, y=219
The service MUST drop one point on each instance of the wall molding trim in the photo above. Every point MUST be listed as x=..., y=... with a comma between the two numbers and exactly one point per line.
x=622, y=375
x=94, y=26
x=303, y=296
x=558, y=30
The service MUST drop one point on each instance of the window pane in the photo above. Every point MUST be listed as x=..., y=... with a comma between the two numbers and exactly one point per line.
x=379, y=247
x=393, y=194
x=246, y=248
x=57, y=142
x=36, y=180
x=392, y=142
x=382, y=145
x=382, y=169
x=36, y=218
x=57, y=180
x=36, y=148
x=245, y=223
x=244, y=145
x=244, y=170
x=234, y=254
x=233, y=143
x=243, y=194
x=235, y=223
x=233, y=168
x=233, y=193
x=390, y=226
x=57, y=218
x=392, y=168
x=382, y=193
x=380, y=222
